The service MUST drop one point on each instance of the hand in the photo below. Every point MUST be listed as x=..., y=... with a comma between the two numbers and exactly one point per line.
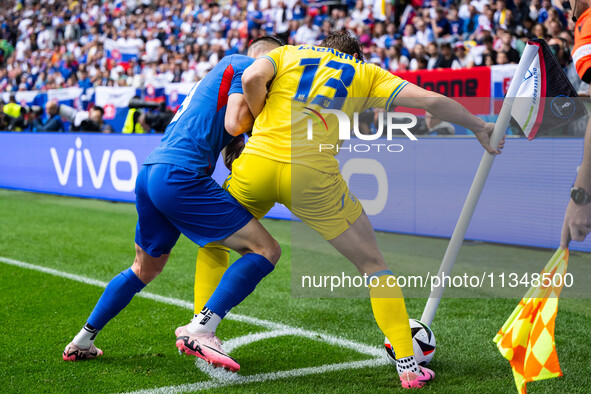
x=577, y=223
x=484, y=139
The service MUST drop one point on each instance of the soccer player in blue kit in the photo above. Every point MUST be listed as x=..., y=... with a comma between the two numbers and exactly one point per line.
x=175, y=194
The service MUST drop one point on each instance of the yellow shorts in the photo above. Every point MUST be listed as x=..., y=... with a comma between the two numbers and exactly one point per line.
x=320, y=200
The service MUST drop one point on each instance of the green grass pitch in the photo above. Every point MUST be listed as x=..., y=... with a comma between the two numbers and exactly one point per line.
x=40, y=313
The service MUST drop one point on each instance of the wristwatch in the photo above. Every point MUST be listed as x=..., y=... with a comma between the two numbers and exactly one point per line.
x=580, y=196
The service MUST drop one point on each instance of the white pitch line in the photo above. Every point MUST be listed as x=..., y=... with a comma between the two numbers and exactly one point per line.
x=226, y=379
x=234, y=343
x=229, y=346
x=265, y=377
x=315, y=335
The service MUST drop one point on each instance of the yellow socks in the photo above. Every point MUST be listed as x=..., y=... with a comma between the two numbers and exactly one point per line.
x=212, y=262
x=390, y=312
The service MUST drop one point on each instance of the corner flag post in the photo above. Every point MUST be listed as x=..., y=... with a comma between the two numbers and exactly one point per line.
x=459, y=233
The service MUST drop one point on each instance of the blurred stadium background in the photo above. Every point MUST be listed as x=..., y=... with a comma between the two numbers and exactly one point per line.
x=77, y=52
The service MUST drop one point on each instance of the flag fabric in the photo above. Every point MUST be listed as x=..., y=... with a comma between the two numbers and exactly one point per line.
x=115, y=103
x=546, y=99
x=121, y=53
x=155, y=92
x=527, y=337
x=176, y=92
x=407, y=16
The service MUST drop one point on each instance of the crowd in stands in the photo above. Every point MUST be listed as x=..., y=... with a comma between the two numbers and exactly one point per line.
x=47, y=44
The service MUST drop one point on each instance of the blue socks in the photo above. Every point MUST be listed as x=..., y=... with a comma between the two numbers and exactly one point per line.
x=116, y=296
x=239, y=280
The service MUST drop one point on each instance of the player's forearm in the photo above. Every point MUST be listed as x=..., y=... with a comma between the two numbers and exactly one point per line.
x=451, y=111
x=255, y=92
x=241, y=124
x=238, y=117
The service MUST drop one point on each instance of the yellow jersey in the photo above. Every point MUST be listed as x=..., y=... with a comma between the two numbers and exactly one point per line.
x=308, y=81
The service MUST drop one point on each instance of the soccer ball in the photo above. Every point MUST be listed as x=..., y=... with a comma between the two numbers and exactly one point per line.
x=423, y=343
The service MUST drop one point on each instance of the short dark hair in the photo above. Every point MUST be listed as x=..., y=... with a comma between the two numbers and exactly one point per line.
x=343, y=41
x=98, y=108
x=267, y=39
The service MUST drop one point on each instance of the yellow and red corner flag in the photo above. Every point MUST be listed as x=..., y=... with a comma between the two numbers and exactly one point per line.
x=527, y=337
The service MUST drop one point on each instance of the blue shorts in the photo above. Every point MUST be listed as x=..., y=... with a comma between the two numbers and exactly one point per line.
x=171, y=200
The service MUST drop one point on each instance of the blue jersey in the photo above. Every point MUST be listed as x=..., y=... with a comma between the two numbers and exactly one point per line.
x=196, y=135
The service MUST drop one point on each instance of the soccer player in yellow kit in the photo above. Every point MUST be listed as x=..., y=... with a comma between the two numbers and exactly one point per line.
x=280, y=164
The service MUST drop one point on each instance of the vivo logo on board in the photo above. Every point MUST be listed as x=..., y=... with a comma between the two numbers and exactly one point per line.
x=86, y=167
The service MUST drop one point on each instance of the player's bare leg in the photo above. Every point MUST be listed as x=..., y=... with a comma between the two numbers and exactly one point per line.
x=260, y=252
x=358, y=244
x=116, y=296
x=146, y=267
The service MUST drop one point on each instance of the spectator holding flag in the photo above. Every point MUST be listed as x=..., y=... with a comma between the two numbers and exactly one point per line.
x=577, y=219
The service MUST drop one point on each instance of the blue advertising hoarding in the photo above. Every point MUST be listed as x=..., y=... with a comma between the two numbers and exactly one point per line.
x=419, y=190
